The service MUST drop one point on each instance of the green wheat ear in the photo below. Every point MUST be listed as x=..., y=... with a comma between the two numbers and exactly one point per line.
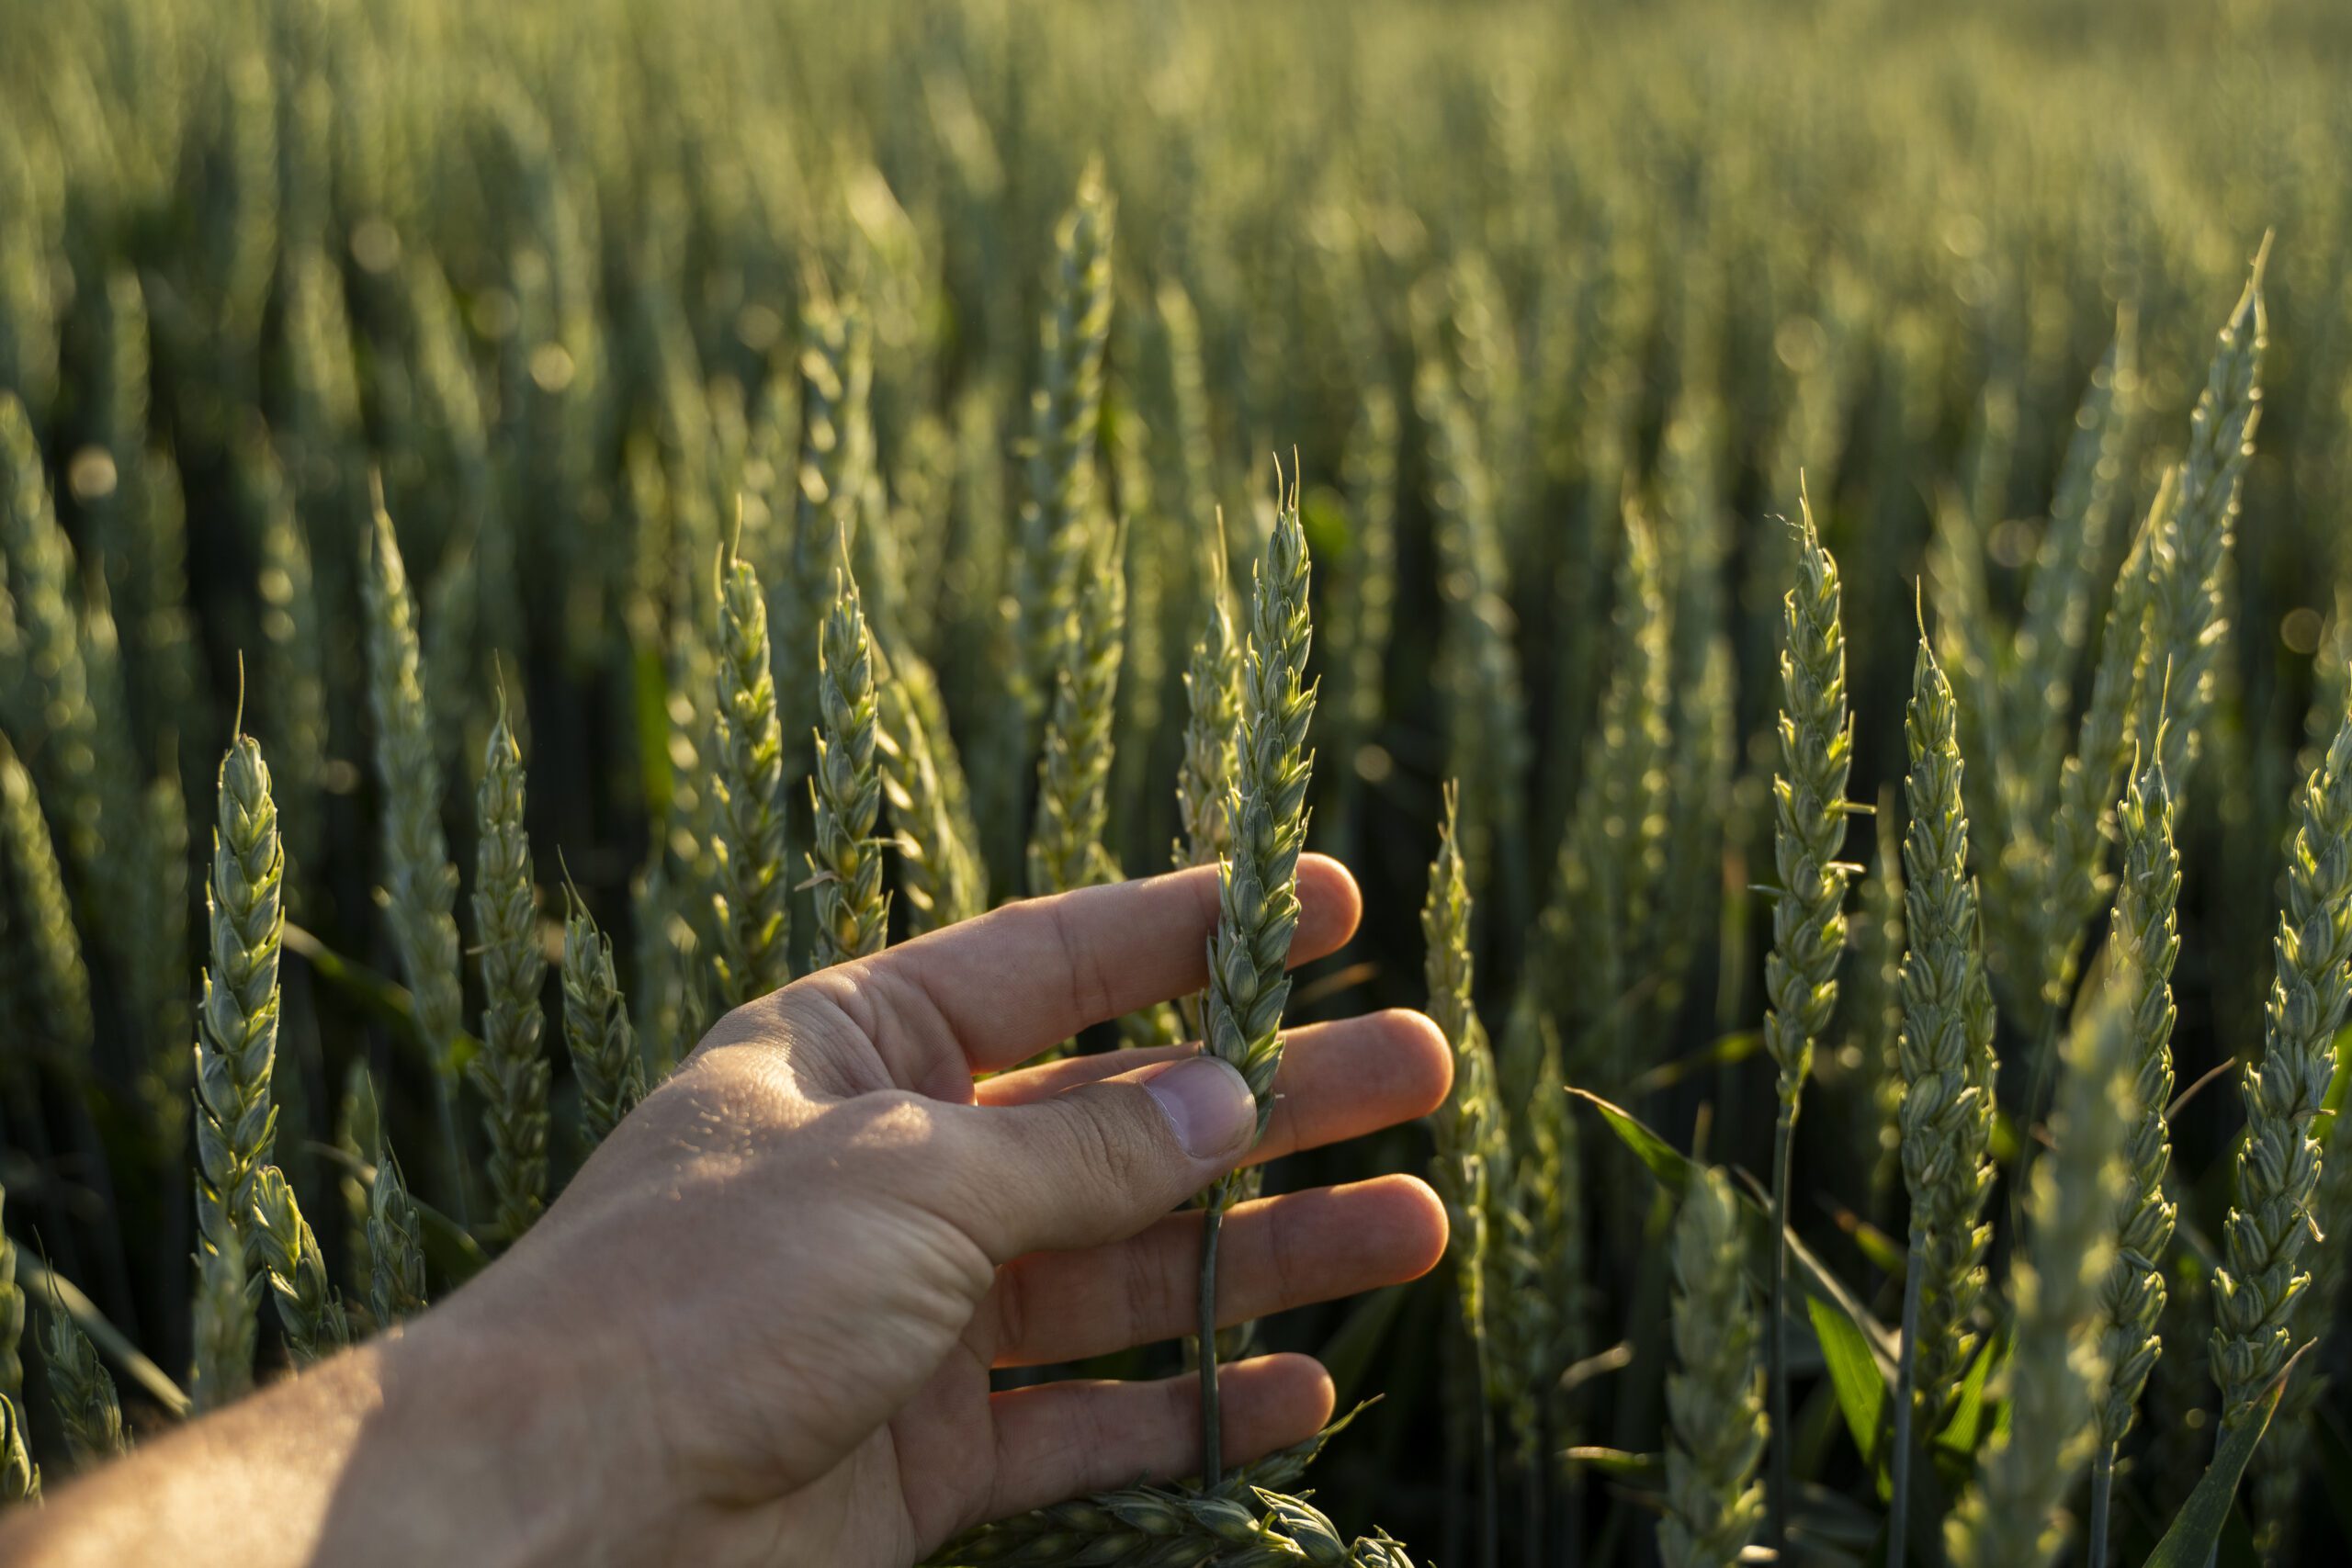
x=2013, y=1517
x=2255, y=1284
x=81, y=1390
x=19, y=1476
x=236, y=1123
x=1714, y=1398
x=512, y=1072
x=420, y=882
x=604, y=1060
x=853, y=910
x=1258, y=889
x=754, y=918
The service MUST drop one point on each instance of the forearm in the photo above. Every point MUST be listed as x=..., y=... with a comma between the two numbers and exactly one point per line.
x=428, y=1446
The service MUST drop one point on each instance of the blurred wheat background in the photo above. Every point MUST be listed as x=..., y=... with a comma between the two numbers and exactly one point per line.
x=1554, y=311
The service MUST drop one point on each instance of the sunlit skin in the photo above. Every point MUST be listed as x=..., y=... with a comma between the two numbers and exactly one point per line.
x=757, y=1328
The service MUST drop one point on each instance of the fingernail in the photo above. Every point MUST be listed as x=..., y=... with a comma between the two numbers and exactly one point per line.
x=1207, y=1103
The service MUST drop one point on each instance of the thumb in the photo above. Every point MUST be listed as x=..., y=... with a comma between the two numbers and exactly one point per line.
x=1099, y=1162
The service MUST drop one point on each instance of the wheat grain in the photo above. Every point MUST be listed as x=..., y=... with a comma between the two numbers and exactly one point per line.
x=512, y=1071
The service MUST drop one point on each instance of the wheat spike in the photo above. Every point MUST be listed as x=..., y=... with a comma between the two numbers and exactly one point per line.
x=309, y=1311
x=81, y=1390
x=2145, y=939
x=395, y=1247
x=2255, y=1284
x=512, y=1071
x=2012, y=1517
x=1066, y=847
x=753, y=920
x=1714, y=1398
x=1946, y=1049
x=1258, y=886
x=19, y=1476
x=420, y=882
x=1058, y=515
x=58, y=979
x=236, y=1123
x=853, y=910
x=604, y=1060
x=939, y=871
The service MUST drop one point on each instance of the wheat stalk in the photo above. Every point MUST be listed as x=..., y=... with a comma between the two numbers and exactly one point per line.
x=2255, y=1284
x=1716, y=1397
x=512, y=1071
x=1808, y=914
x=1257, y=883
x=2055, y=1377
x=1946, y=1069
x=853, y=910
x=746, y=784
x=604, y=1060
x=1471, y=1130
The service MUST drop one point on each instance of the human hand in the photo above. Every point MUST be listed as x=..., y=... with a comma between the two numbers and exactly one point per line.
x=758, y=1326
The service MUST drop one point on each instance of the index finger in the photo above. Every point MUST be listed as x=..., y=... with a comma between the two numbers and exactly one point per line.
x=1020, y=979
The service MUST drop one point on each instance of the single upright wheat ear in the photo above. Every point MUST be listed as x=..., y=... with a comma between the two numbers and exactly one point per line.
x=309, y=1309
x=751, y=904
x=853, y=910
x=1066, y=847
x=81, y=1390
x=2144, y=936
x=2013, y=1517
x=512, y=1071
x=1808, y=914
x=604, y=1060
x=1714, y=1398
x=236, y=1124
x=940, y=872
x=2255, y=1284
x=1257, y=883
x=1059, y=511
x=395, y=1247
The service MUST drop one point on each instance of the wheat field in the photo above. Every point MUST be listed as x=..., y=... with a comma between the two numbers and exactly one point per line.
x=1796, y=549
